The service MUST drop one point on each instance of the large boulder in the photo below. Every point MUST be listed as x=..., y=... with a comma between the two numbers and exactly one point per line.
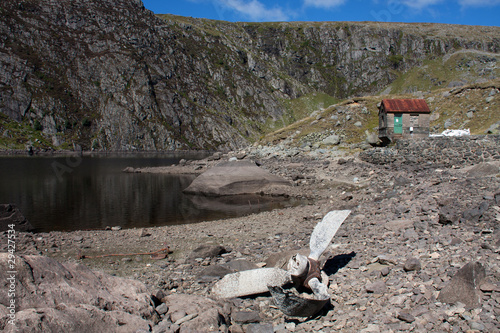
x=10, y=214
x=207, y=251
x=464, y=286
x=486, y=169
x=193, y=313
x=372, y=138
x=332, y=140
x=235, y=178
x=55, y=297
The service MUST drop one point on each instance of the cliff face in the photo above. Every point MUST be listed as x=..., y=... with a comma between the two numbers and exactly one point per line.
x=111, y=75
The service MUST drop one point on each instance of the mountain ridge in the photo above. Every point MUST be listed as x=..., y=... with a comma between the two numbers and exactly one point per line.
x=111, y=75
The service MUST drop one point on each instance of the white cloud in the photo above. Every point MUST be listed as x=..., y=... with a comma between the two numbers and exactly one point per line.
x=323, y=3
x=478, y=3
x=419, y=4
x=254, y=10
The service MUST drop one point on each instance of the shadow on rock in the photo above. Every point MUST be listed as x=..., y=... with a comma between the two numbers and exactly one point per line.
x=332, y=265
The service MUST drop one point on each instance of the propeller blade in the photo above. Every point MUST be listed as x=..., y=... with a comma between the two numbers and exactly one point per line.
x=251, y=282
x=325, y=230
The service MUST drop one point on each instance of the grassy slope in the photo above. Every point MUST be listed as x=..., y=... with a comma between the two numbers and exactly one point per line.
x=14, y=135
x=465, y=106
x=470, y=99
x=465, y=67
x=445, y=104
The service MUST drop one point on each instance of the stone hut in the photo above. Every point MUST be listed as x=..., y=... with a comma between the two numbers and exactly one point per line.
x=403, y=118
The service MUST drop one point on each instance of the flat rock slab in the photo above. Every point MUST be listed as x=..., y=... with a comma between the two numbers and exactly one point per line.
x=251, y=282
x=235, y=178
x=464, y=286
x=487, y=169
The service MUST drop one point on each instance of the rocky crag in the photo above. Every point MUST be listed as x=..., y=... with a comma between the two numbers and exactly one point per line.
x=110, y=75
x=54, y=297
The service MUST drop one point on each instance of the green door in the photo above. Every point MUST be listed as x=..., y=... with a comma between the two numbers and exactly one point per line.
x=398, y=123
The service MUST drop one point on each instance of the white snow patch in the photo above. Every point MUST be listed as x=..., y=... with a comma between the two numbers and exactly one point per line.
x=453, y=133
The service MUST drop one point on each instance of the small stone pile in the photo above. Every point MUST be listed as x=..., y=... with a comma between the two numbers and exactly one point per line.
x=445, y=151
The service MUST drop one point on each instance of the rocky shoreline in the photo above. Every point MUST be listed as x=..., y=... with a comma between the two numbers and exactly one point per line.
x=414, y=224
x=63, y=152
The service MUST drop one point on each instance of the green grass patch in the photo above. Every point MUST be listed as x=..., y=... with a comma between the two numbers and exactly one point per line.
x=461, y=68
x=470, y=107
x=303, y=106
x=17, y=135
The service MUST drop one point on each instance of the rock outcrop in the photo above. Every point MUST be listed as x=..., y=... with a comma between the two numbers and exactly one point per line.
x=55, y=297
x=236, y=178
x=11, y=215
x=112, y=75
x=464, y=286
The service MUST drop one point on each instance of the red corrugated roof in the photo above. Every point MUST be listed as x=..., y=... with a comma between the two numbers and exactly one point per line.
x=405, y=105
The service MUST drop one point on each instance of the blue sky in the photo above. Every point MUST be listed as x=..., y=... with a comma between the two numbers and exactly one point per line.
x=470, y=12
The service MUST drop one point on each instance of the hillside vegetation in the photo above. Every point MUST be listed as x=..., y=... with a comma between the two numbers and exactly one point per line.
x=110, y=75
x=475, y=107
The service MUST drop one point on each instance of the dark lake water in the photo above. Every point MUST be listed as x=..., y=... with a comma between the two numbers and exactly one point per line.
x=91, y=192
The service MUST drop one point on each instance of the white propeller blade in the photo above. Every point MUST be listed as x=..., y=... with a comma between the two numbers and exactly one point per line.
x=251, y=282
x=325, y=230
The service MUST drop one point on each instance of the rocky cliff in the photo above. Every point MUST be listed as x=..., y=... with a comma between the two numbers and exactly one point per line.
x=112, y=75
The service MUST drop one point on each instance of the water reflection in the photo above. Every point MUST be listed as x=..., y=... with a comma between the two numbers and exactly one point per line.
x=95, y=193
x=240, y=204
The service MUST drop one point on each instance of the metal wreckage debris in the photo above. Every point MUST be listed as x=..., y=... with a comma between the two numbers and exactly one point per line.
x=285, y=285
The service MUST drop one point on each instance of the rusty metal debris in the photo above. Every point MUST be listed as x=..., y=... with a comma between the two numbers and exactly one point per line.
x=160, y=254
x=291, y=303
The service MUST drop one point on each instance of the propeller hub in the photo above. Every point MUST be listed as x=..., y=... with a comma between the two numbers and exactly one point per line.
x=314, y=272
